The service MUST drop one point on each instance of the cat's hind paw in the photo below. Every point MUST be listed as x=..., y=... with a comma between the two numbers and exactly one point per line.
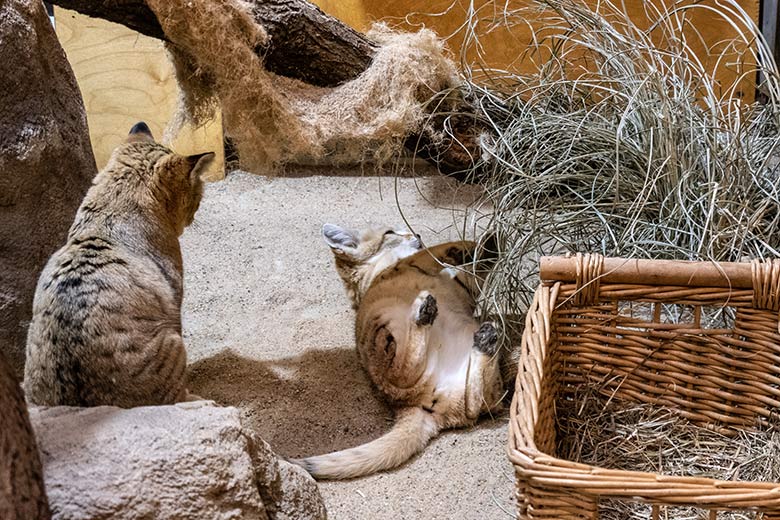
x=427, y=309
x=486, y=339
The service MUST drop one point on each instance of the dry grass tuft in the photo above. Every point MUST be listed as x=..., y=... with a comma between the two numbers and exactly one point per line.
x=624, y=144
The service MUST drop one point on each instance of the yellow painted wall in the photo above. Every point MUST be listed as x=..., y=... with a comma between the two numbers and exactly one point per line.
x=125, y=78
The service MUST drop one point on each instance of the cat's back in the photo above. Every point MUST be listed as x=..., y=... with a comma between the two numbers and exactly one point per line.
x=93, y=276
x=100, y=313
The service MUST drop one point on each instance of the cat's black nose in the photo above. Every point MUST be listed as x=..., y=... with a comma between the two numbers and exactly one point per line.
x=141, y=128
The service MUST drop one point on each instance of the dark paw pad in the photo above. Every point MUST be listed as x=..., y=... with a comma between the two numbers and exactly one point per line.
x=428, y=311
x=486, y=339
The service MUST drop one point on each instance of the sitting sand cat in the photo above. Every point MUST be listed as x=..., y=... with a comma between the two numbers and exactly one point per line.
x=106, y=326
x=418, y=340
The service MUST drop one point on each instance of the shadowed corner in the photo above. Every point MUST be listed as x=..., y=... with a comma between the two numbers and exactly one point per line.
x=317, y=402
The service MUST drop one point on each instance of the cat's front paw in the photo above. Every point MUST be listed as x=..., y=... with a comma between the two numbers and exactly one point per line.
x=486, y=339
x=427, y=310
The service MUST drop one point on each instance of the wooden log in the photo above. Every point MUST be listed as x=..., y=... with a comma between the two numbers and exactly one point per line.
x=134, y=14
x=311, y=46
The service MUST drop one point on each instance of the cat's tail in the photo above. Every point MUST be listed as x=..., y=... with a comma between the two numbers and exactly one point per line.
x=413, y=429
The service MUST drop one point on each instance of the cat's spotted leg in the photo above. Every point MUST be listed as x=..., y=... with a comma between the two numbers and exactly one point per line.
x=483, y=371
x=424, y=311
x=411, y=361
x=486, y=339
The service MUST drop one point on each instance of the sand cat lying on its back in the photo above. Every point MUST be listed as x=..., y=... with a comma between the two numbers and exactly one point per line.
x=106, y=326
x=418, y=340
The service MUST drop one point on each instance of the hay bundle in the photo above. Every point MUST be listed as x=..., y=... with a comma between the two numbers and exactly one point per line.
x=274, y=119
x=641, y=437
x=624, y=144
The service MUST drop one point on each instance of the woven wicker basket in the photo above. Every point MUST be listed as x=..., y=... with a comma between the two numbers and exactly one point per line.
x=726, y=379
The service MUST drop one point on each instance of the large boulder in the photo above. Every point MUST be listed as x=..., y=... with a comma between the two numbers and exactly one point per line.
x=186, y=461
x=46, y=161
x=22, y=496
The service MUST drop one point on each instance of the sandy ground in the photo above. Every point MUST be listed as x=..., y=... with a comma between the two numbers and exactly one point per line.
x=269, y=329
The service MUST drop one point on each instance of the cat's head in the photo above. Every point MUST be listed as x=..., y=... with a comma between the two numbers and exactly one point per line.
x=173, y=181
x=362, y=255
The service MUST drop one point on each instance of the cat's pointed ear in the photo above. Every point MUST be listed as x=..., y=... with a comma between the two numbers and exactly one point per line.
x=339, y=238
x=198, y=163
x=140, y=132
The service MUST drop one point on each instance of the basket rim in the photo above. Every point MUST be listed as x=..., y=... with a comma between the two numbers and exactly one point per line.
x=536, y=468
x=737, y=275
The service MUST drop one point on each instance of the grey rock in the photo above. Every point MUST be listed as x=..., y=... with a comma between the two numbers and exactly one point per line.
x=186, y=461
x=46, y=161
x=288, y=491
x=22, y=495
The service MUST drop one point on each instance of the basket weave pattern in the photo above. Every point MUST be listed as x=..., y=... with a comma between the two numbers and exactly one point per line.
x=725, y=379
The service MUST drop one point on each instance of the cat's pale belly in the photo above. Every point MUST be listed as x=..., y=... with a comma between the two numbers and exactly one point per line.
x=449, y=346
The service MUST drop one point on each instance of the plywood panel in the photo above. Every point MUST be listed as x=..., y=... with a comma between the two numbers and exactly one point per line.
x=503, y=47
x=125, y=78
